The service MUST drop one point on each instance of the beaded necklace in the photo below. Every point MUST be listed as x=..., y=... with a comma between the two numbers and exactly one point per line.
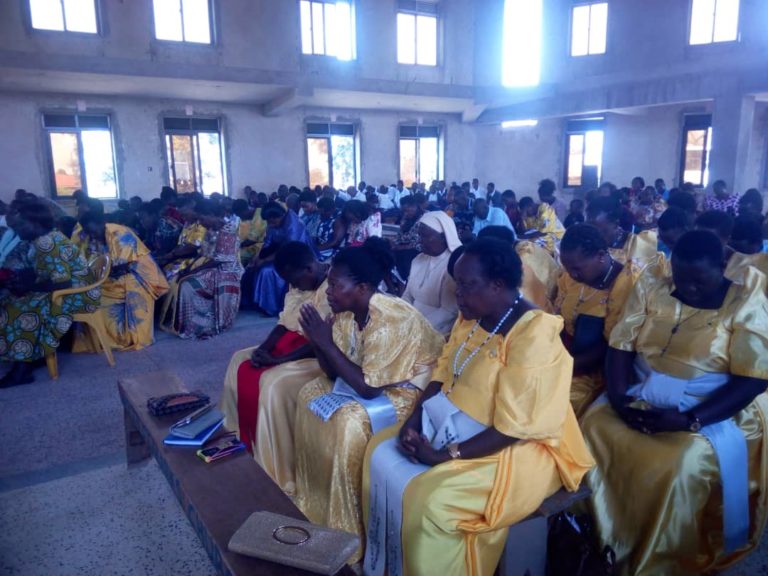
x=458, y=370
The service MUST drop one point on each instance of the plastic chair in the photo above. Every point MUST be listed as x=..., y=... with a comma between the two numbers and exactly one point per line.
x=100, y=268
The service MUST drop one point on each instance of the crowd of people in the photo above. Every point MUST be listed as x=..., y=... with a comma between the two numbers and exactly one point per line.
x=447, y=357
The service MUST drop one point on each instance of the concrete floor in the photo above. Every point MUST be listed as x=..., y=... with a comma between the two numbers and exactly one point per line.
x=68, y=503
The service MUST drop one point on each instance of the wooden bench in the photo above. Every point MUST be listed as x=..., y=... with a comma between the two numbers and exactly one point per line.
x=217, y=498
x=525, y=553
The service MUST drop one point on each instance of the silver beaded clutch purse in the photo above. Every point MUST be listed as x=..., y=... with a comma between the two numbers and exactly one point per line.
x=294, y=543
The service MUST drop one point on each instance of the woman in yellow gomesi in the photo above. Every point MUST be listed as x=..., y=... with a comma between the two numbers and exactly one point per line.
x=377, y=355
x=681, y=483
x=540, y=225
x=492, y=436
x=591, y=294
x=604, y=213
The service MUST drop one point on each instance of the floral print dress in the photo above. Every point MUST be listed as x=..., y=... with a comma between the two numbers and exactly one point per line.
x=31, y=325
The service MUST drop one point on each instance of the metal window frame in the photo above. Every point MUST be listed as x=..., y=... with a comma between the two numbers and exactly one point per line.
x=579, y=4
x=98, y=12
x=581, y=126
x=714, y=21
x=418, y=137
x=417, y=8
x=353, y=25
x=194, y=134
x=211, y=27
x=691, y=123
x=77, y=130
x=327, y=136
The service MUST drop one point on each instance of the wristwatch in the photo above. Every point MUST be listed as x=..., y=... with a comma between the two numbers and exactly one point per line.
x=453, y=451
x=694, y=424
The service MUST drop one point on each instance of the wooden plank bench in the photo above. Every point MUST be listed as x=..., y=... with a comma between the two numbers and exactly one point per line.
x=217, y=498
x=525, y=553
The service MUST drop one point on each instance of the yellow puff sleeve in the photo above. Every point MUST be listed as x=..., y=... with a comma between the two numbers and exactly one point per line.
x=627, y=328
x=748, y=347
x=533, y=389
x=617, y=298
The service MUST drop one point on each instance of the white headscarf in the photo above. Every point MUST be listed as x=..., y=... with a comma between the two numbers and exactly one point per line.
x=441, y=222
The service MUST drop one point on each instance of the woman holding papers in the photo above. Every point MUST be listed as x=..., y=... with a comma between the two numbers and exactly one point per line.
x=377, y=355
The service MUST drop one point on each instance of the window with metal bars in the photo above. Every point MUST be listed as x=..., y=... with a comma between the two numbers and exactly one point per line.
x=332, y=155
x=328, y=28
x=64, y=15
x=195, y=155
x=419, y=154
x=80, y=154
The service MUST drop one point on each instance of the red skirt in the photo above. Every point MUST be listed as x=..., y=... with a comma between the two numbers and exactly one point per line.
x=248, y=379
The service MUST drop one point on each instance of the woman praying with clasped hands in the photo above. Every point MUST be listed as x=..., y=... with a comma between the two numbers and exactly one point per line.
x=681, y=485
x=492, y=436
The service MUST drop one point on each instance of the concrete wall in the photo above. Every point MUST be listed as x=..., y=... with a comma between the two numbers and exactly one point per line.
x=265, y=152
x=260, y=151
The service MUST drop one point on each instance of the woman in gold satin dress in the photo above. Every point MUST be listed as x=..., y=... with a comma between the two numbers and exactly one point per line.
x=377, y=354
x=591, y=295
x=540, y=271
x=492, y=436
x=604, y=214
x=263, y=382
x=681, y=483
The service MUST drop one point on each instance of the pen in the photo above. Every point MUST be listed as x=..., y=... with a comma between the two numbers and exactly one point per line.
x=194, y=416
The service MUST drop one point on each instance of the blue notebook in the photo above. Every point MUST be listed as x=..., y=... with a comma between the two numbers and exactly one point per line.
x=198, y=440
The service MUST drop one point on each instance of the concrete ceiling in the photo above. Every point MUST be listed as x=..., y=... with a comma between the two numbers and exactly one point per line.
x=25, y=80
x=272, y=97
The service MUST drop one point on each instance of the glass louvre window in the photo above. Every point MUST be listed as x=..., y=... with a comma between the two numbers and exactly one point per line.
x=331, y=155
x=195, y=155
x=589, y=27
x=419, y=152
x=81, y=154
x=417, y=33
x=521, y=43
x=583, y=148
x=714, y=21
x=328, y=28
x=183, y=20
x=64, y=15
x=697, y=145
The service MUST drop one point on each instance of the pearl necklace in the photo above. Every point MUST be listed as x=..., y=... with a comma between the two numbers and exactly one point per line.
x=600, y=287
x=458, y=370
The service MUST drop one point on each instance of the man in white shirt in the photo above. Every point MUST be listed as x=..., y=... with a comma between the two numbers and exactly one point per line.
x=385, y=201
x=486, y=215
x=475, y=189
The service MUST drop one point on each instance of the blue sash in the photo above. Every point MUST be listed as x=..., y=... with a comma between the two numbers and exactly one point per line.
x=727, y=440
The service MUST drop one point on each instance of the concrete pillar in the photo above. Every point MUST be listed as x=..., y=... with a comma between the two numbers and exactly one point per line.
x=733, y=120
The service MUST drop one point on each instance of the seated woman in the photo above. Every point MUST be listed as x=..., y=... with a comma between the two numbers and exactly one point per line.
x=361, y=222
x=406, y=245
x=31, y=324
x=540, y=271
x=590, y=297
x=604, y=213
x=681, y=483
x=128, y=296
x=262, y=382
x=262, y=285
x=330, y=230
x=252, y=228
x=492, y=436
x=208, y=292
x=377, y=356
x=430, y=288
x=540, y=225
x=190, y=240
x=721, y=224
